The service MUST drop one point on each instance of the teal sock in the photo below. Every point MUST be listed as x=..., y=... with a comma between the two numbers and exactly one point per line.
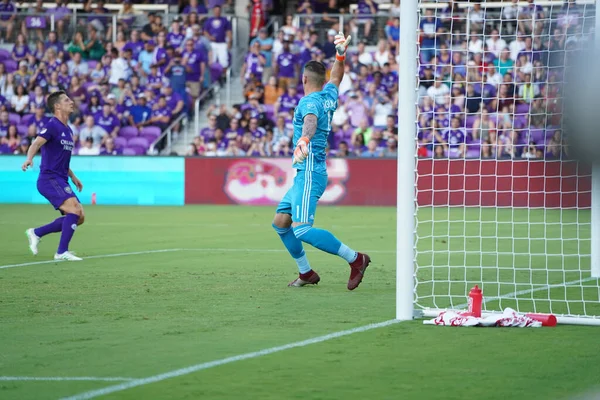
x=294, y=247
x=325, y=241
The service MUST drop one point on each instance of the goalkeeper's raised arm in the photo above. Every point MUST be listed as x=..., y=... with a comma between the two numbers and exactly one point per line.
x=341, y=45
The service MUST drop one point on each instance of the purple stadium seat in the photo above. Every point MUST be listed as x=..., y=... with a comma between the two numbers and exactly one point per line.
x=120, y=142
x=4, y=149
x=139, y=144
x=5, y=54
x=26, y=119
x=22, y=129
x=150, y=133
x=128, y=132
x=129, y=152
x=14, y=119
x=10, y=65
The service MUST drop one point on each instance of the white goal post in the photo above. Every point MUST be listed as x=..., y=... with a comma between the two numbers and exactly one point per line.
x=526, y=230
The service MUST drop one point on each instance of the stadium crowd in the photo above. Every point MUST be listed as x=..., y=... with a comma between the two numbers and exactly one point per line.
x=127, y=91
x=489, y=79
x=489, y=82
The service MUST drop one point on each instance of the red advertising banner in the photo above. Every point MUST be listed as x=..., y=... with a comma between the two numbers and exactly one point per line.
x=256, y=181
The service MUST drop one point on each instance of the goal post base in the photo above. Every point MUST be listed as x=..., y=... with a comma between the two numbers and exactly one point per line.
x=562, y=320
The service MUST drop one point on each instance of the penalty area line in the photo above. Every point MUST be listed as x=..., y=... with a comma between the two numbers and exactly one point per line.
x=211, y=364
x=66, y=378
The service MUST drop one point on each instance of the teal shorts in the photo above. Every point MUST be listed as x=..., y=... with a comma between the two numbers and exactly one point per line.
x=301, y=200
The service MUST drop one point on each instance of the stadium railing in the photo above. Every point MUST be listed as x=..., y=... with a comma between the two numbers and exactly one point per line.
x=167, y=135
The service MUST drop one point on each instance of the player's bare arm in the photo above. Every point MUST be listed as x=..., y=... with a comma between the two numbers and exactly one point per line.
x=337, y=71
x=33, y=150
x=310, y=126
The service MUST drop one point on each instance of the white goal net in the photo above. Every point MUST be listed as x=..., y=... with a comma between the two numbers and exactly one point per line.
x=500, y=202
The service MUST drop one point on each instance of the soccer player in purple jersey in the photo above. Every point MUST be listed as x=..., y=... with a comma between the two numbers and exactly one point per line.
x=56, y=143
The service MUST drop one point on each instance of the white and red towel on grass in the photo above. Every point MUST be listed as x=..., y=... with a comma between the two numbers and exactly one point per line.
x=509, y=318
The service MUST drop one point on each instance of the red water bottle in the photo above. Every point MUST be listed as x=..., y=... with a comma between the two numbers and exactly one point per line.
x=475, y=301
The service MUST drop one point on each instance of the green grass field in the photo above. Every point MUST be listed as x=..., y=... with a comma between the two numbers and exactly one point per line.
x=217, y=294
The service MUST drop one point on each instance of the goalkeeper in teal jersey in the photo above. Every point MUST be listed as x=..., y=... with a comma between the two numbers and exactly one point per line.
x=296, y=212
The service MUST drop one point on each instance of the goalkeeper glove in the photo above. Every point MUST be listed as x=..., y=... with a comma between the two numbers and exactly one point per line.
x=301, y=151
x=341, y=45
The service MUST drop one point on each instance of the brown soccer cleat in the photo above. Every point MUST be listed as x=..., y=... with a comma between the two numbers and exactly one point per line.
x=357, y=270
x=309, y=278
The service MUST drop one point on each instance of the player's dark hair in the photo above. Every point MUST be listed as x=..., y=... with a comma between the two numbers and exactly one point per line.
x=317, y=71
x=53, y=99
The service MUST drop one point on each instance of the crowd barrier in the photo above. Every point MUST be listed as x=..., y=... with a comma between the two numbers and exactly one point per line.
x=264, y=181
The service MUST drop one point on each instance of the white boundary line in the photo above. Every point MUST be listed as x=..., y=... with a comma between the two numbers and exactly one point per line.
x=65, y=378
x=135, y=253
x=232, y=250
x=199, y=367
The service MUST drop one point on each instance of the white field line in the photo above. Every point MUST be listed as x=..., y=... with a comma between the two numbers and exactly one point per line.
x=135, y=253
x=513, y=295
x=199, y=367
x=65, y=378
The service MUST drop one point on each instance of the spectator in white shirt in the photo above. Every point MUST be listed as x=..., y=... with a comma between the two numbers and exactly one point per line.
x=438, y=91
x=382, y=54
x=516, y=46
x=121, y=67
x=364, y=57
x=88, y=148
x=382, y=107
x=495, y=43
x=494, y=77
x=475, y=44
x=93, y=131
x=77, y=66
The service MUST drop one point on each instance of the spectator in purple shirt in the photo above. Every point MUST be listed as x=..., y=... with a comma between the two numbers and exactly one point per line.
x=365, y=11
x=20, y=50
x=217, y=30
x=175, y=37
x=256, y=131
x=286, y=67
x=195, y=65
x=454, y=139
x=39, y=119
x=161, y=58
x=209, y=131
x=62, y=16
x=288, y=101
x=109, y=148
x=254, y=64
x=8, y=13
x=55, y=44
x=107, y=120
x=174, y=101
x=135, y=44
x=195, y=6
